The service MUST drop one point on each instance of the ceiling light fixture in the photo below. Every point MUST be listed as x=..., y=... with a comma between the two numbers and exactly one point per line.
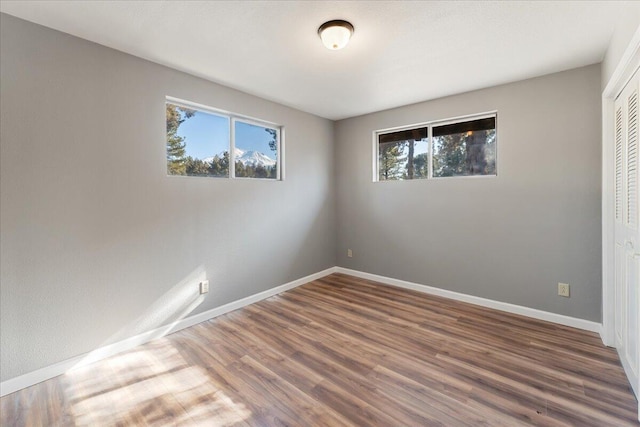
x=335, y=34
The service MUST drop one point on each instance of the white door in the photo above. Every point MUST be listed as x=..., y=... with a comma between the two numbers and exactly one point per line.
x=627, y=236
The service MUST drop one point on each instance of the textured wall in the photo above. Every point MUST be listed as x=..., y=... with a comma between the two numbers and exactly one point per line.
x=98, y=243
x=508, y=238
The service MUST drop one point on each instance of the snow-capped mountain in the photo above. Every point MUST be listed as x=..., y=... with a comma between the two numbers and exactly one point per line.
x=253, y=158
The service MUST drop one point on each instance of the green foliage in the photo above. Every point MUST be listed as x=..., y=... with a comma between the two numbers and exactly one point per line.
x=449, y=155
x=391, y=161
x=261, y=171
x=178, y=163
x=272, y=172
x=398, y=161
x=258, y=171
x=421, y=166
x=470, y=153
x=176, y=160
x=196, y=167
x=219, y=166
x=241, y=170
x=273, y=143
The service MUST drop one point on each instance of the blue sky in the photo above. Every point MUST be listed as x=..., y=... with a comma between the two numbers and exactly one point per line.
x=419, y=147
x=208, y=134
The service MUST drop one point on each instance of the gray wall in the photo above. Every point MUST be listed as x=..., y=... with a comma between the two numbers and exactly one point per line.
x=509, y=238
x=98, y=243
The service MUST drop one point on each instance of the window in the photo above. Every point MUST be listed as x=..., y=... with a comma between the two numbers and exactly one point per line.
x=462, y=147
x=256, y=150
x=204, y=142
x=403, y=154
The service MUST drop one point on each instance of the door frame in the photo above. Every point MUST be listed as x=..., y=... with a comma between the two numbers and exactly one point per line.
x=625, y=69
x=622, y=74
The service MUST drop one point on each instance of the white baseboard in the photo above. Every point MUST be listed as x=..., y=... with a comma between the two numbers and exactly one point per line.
x=502, y=306
x=60, y=368
x=43, y=374
x=604, y=336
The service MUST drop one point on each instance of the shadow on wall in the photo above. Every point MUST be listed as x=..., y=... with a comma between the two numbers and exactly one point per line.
x=158, y=320
x=301, y=225
x=313, y=235
x=183, y=298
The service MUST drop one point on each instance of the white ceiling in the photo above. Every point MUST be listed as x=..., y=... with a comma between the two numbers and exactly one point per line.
x=401, y=52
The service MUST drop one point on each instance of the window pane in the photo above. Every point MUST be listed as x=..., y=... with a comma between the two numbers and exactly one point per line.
x=403, y=155
x=256, y=151
x=197, y=142
x=466, y=148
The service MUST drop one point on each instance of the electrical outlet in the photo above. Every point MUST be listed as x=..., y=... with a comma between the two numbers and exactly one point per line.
x=563, y=289
x=204, y=287
x=349, y=253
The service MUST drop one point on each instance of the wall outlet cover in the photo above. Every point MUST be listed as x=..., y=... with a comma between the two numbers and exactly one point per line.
x=563, y=289
x=204, y=287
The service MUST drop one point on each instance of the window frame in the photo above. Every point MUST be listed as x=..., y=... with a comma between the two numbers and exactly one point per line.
x=232, y=119
x=430, y=125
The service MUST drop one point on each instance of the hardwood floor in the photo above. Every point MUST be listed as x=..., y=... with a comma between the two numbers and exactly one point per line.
x=342, y=351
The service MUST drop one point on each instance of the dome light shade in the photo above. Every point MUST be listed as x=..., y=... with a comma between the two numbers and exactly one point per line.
x=335, y=34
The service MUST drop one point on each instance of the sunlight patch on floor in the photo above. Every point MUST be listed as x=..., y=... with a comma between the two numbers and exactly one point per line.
x=157, y=320
x=154, y=385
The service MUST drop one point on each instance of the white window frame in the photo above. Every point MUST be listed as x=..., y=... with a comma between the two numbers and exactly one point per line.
x=232, y=133
x=430, y=125
x=232, y=119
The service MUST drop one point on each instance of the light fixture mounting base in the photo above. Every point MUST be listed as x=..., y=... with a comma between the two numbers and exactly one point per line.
x=336, y=23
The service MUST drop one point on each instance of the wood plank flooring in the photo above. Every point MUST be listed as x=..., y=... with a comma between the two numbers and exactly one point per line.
x=342, y=351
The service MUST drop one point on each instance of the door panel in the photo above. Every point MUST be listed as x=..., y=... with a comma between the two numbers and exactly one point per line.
x=620, y=297
x=627, y=237
x=631, y=339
